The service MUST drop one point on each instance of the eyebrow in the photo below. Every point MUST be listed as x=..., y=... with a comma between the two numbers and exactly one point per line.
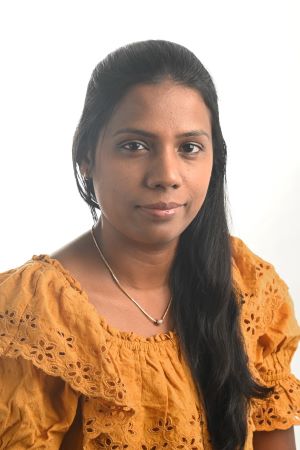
x=153, y=135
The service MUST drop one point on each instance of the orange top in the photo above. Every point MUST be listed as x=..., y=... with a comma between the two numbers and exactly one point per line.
x=69, y=380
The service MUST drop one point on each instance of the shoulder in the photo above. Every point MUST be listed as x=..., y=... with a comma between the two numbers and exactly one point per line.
x=26, y=293
x=264, y=295
x=26, y=283
x=18, y=286
x=267, y=313
x=271, y=335
x=45, y=318
x=27, y=273
x=252, y=273
x=246, y=261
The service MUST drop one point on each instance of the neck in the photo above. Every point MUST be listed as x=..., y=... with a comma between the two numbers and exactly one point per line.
x=136, y=265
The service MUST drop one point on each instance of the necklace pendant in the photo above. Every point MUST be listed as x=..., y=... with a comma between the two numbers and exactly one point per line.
x=158, y=322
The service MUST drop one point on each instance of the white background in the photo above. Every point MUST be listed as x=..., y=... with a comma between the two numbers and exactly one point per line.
x=252, y=50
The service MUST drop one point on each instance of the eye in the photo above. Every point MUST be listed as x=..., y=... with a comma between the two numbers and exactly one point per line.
x=133, y=146
x=192, y=148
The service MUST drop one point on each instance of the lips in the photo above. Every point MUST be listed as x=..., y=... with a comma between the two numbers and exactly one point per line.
x=161, y=211
x=162, y=206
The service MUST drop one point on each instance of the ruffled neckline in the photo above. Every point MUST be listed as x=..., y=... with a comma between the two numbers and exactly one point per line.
x=114, y=332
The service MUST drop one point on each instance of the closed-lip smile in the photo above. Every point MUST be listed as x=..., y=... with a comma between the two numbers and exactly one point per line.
x=161, y=211
x=163, y=206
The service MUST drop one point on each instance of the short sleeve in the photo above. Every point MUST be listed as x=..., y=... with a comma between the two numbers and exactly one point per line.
x=277, y=339
x=56, y=366
x=271, y=335
x=17, y=290
x=36, y=409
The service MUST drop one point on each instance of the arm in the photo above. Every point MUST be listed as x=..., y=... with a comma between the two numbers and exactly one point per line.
x=274, y=440
x=36, y=410
x=277, y=341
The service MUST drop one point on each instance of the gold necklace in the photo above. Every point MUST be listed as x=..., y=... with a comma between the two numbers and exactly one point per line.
x=155, y=321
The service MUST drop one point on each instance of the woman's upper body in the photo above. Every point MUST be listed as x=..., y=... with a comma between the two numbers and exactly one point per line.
x=67, y=375
x=150, y=155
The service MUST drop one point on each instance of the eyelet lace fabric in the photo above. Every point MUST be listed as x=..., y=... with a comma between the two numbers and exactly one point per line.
x=58, y=355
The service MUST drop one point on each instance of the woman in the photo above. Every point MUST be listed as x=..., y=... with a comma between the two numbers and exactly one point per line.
x=156, y=329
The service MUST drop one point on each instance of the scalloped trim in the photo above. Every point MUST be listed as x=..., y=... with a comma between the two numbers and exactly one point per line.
x=281, y=410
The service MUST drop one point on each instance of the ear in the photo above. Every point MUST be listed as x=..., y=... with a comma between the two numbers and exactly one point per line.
x=86, y=166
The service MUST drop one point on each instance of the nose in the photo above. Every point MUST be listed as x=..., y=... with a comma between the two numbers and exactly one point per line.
x=164, y=171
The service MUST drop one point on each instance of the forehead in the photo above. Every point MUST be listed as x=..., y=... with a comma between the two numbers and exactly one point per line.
x=162, y=106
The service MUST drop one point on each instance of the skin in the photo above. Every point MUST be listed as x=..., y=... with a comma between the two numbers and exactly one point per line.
x=148, y=170
x=131, y=169
x=274, y=440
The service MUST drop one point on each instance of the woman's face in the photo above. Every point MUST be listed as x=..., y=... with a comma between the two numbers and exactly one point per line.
x=153, y=163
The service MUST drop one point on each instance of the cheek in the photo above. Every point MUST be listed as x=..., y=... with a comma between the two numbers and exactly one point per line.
x=112, y=190
x=202, y=179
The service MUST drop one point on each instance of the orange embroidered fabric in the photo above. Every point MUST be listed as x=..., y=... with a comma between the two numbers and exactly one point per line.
x=68, y=380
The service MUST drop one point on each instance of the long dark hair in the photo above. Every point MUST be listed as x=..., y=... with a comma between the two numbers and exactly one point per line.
x=206, y=306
